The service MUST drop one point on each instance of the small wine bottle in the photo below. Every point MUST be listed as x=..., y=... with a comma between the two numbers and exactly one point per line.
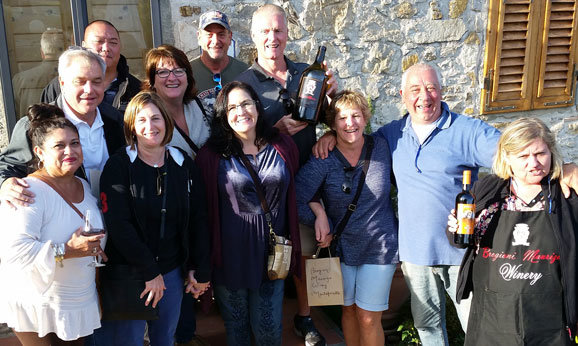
x=312, y=88
x=465, y=212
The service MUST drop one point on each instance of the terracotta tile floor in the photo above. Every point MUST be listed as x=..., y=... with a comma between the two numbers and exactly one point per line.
x=211, y=327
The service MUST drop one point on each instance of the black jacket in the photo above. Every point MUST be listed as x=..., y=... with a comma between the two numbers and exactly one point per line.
x=564, y=219
x=128, y=86
x=14, y=159
x=124, y=205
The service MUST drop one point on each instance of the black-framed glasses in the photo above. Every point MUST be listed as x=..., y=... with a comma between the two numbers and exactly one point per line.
x=177, y=72
x=245, y=105
x=217, y=79
x=287, y=101
x=347, y=179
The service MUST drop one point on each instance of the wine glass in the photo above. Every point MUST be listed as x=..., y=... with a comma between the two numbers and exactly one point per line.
x=93, y=225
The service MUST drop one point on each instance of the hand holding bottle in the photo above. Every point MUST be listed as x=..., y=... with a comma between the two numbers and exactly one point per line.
x=331, y=80
x=452, y=222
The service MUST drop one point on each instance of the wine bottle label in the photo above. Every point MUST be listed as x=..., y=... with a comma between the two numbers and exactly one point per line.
x=310, y=92
x=466, y=217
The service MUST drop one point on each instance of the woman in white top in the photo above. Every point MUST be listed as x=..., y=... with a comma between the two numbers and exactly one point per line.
x=48, y=293
x=170, y=75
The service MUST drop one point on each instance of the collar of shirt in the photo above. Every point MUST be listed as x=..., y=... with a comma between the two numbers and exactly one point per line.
x=443, y=122
x=69, y=114
x=92, y=139
x=262, y=75
x=177, y=156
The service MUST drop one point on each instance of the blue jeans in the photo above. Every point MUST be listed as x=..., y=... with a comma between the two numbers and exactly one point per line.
x=161, y=331
x=187, y=325
x=257, y=310
x=428, y=286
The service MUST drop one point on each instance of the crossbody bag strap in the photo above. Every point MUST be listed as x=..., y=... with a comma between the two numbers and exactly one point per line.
x=188, y=139
x=202, y=108
x=353, y=205
x=260, y=192
x=49, y=183
x=165, y=193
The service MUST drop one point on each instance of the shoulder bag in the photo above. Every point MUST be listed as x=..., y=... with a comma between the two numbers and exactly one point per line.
x=279, y=259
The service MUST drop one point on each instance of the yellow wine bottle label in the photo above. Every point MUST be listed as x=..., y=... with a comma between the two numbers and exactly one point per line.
x=466, y=216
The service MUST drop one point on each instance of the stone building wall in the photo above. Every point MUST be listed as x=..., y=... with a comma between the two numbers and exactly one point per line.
x=371, y=42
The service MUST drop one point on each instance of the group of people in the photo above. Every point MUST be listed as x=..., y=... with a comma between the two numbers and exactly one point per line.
x=193, y=169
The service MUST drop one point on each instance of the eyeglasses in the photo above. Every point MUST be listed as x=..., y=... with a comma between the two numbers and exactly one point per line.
x=178, y=72
x=245, y=105
x=348, y=179
x=217, y=79
x=287, y=101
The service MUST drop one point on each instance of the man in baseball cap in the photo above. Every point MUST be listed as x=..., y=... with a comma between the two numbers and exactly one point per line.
x=214, y=67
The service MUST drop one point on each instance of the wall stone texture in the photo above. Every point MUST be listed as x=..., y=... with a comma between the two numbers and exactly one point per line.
x=371, y=42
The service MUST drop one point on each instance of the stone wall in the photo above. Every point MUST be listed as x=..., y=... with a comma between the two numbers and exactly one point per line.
x=371, y=42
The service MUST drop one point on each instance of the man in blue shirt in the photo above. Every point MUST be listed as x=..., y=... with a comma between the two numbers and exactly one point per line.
x=431, y=146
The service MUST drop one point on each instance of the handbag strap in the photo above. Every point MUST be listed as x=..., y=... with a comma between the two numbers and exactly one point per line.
x=260, y=192
x=164, y=202
x=187, y=139
x=353, y=205
x=49, y=183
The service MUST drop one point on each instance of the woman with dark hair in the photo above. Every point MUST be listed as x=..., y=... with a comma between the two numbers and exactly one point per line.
x=48, y=295
x=169, y=74
x=248, y=300
x=154, y=207
x=522, y=268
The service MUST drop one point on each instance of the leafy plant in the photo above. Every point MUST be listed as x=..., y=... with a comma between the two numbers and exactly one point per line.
x=409, y=335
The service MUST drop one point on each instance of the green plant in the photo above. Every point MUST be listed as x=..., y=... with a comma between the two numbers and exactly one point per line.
x=409, y=335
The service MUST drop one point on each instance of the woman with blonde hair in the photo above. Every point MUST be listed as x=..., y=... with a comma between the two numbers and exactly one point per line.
x=356, y=172
x=522, y=269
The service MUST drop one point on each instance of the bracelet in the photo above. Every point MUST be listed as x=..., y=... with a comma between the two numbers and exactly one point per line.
x=59, y=251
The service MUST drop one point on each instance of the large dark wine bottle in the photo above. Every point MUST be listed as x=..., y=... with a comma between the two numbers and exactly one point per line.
x=465, y=212
x=312, y=88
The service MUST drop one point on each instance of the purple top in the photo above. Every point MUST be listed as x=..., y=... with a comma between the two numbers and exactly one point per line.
x=244, y=230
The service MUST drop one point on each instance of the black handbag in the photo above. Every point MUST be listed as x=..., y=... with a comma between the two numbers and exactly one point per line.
x=120, y=288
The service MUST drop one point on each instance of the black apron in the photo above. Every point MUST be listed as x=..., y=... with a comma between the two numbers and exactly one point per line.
x=517, y=295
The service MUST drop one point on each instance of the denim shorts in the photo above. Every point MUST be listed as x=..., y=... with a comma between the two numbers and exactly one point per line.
x=367, y=285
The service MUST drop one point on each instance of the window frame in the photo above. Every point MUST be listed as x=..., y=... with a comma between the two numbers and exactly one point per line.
x=79, y=22
x=532, y=93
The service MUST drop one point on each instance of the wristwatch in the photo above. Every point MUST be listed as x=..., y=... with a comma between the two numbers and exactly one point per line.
x=59, y=251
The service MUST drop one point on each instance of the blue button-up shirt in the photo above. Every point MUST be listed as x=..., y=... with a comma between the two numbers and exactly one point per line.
x=429, y=176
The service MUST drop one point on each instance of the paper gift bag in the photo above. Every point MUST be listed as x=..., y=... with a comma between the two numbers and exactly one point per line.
x=324, y=281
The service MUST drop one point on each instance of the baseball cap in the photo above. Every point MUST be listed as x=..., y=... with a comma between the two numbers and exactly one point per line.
x=214, y=17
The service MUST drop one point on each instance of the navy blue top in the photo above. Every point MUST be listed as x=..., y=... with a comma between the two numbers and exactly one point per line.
x=370, y=236
x=245, y=234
